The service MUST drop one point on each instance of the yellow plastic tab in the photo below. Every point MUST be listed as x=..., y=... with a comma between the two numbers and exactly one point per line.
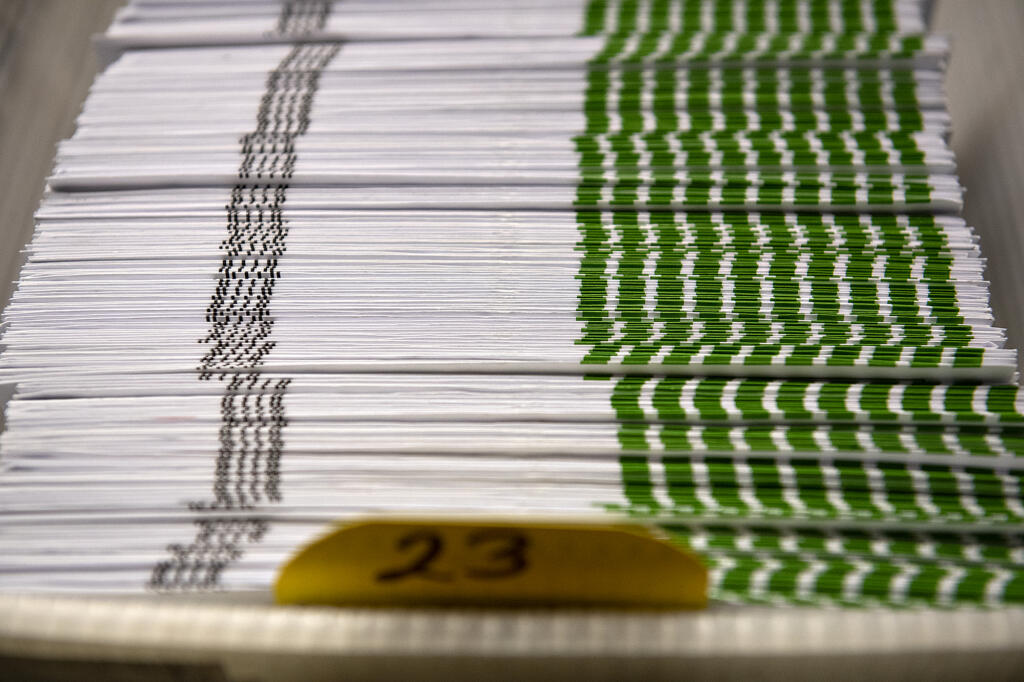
x=417, y=562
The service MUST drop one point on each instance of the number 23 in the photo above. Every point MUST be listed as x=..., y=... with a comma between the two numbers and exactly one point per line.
x=505, y=559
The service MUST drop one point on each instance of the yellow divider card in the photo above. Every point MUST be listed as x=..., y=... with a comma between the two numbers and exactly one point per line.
x=493, y=563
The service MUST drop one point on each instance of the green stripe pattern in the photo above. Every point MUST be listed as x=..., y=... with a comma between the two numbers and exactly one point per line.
x=858, y=568
x=766, y=204
x=868, y=18
x=748, y=401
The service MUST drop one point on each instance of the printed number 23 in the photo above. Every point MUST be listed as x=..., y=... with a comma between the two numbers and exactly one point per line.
x=505, y=556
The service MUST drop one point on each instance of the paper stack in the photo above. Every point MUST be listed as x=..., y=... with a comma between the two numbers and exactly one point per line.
x=695, y=263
